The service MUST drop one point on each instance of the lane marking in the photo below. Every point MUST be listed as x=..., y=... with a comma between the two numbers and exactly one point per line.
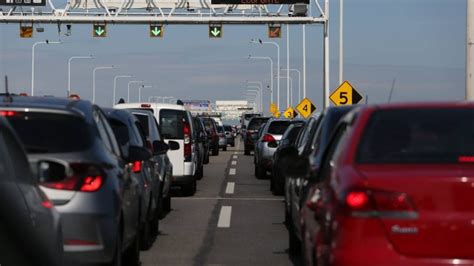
x=237, y=199
x=234, y=162
x=224, y=217
x=235, y=156
x=232, y=171
x=230, y=188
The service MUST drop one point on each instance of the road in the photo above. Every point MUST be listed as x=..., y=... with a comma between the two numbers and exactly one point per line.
x=233, y=219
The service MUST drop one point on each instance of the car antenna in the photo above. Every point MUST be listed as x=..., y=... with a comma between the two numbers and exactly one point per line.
x=391, y=89
x=8, y=97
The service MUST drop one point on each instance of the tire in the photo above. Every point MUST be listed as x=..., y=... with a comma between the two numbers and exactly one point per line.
x=146, y=239
x=294, y=244
x=206, y=158
x=278, y=187
x=117, y=259
x=260, y=173
x=224, y=148
x=131, y=256
x=246, y=151
x=189, y=189
x=200, y=173
x=215, y=151
x=167, y=203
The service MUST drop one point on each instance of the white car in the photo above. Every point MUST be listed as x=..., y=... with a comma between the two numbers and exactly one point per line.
x=175, y=124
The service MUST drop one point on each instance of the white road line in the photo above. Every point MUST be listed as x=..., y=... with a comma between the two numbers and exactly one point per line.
x=230, y=188
x=232, y=171
x=235, y=156
x=224, y=217
x=237, y=199
x=234, y=162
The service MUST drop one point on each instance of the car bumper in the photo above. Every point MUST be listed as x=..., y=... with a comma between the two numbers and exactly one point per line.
x=182, y=180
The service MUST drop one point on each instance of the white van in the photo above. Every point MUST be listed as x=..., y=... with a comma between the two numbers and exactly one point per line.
x=175, y=123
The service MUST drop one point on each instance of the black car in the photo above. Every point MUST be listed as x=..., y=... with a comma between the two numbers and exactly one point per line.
x=202, y=147
x=212, y=134
x=30, y=227
x=288, y=140
x=98, y=205
x=251, y=134
x=229, y=134
x=311, y=144
x=201, y=136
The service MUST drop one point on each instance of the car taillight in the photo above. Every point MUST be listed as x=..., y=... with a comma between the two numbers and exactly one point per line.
x=145, y=105
x=187, y=141
x=375, y=203
x=7, y=113
x=84, y=177
x=268, y=138
x=45, y=202
x=137, y=167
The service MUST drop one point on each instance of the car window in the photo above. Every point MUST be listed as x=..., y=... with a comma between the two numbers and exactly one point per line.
x=171, y=123
x=256, y=123
x=144, y=122
x=21, y=168
x=110, y=134
x=417, y=136
x=334, y=144
x=53, y=133
x=278, y=127
x=220, y=129
x=293, y=134
x=5, y=164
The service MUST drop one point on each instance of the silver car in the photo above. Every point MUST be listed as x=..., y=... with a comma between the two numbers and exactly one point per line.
x=222, y=138
x=267, y=143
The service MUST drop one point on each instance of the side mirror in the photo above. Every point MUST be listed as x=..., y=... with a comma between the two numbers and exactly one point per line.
x=173, y=145
x=136, y=153
x=51, y=171
x=160, y=147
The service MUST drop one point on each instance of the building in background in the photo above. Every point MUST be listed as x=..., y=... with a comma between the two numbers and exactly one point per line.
x=232, y=110
x=197, y=107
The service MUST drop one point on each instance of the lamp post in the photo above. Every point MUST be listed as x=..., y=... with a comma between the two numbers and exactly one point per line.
x=299, y=82
x=261, y=94
x=289, y=98
x=33, y=63
x=140, y=92
x=129, y=84
x=69, y=70
x=278, y=64
x=93, y=79
x=115, y=85
x=271, y=73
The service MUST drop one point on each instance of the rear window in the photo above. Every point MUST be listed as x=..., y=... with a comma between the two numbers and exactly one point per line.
x=141, y=109
x=208, y=123
x=51, y=133
x=144, y=122
x=248, y=116
x=171, y=123
x=278, y=127
x=220, y=129
x=256, y=123
x=228, y=128
x=418, y=136
x=293, y=134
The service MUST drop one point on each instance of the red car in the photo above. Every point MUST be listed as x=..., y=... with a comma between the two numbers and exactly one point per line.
x=396, y=188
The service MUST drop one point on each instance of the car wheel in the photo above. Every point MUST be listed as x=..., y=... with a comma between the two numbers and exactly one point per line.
x=215, y=151
x=167, y=204
x=146, y=239
x=189, y=189
x=260, y=173
x=246, y=151
x=224, y=148
x=294, y=242
x=278, y=187
x=206, y=158
x=131, y=256
x=117, y=259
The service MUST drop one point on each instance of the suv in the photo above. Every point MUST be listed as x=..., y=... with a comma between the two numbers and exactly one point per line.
x=211, y=129
x=267, y=143
x=230, y=135
x=175, y=124
x=251, y=133
x=95, y=198
x=162, y=166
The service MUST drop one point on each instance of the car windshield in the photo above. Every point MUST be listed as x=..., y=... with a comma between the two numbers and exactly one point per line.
x=256, y=123
x=278, y=127
x=171, y=123
x=228, y=128
x=220, y=129
x=418, y=136
x=53, y=133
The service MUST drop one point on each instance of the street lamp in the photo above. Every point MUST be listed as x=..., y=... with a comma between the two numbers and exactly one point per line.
x=130, y=83
x=251, y=100
x=69, y=70
x=93, y=79
x=140, y=92
x=299, y=82
x=271, y=73
x=260, y=84
x=33, y=63
x=115, y=85
x=289, y=98
x=261, y=94
x=278, y=64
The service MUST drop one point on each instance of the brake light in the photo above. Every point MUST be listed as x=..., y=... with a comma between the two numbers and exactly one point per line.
x=84, y=177
x=187, y=141
x=268, y=138
x=466, y=159
x=79, y=242
x=145, y=105
x=47, y=204
x=375, y=203
x=7, y=113
x=137, y=167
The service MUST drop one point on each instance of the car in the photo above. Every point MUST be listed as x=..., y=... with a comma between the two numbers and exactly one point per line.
x=222, y=138
x=310, y=144
x=129, y=132
x=288, y=140
x=162, y=165
x=245, y=119
x=203, y=135
x=251, y=133
x=398, y=178
x=230, y=135
x=213, y=136
x=175, y=124
x=97, y=204
x=200, y=138
x=30, y=229
x=267, y=143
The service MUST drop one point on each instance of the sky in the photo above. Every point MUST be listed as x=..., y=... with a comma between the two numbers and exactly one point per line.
x=419, y=44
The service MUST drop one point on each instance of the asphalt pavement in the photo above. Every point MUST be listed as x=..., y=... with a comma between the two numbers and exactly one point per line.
x=233, y=219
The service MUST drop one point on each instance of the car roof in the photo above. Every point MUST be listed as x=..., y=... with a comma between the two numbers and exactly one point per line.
x=452, y=104
x=152, y=105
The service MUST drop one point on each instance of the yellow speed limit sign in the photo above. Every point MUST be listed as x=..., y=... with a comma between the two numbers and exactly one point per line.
x=305, y=108
x=346, y=94
x=290, y=113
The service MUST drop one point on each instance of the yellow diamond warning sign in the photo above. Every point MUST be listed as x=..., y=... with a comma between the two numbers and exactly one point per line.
x=305, y=108
x=345, y=95
x=290, y=113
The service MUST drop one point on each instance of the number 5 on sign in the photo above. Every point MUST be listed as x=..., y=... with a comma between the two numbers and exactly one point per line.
x=345, y=95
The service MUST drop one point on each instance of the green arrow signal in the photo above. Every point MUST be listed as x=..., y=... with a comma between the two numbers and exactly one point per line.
x=99, y=31
x=215, y=32
x=156, y=31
